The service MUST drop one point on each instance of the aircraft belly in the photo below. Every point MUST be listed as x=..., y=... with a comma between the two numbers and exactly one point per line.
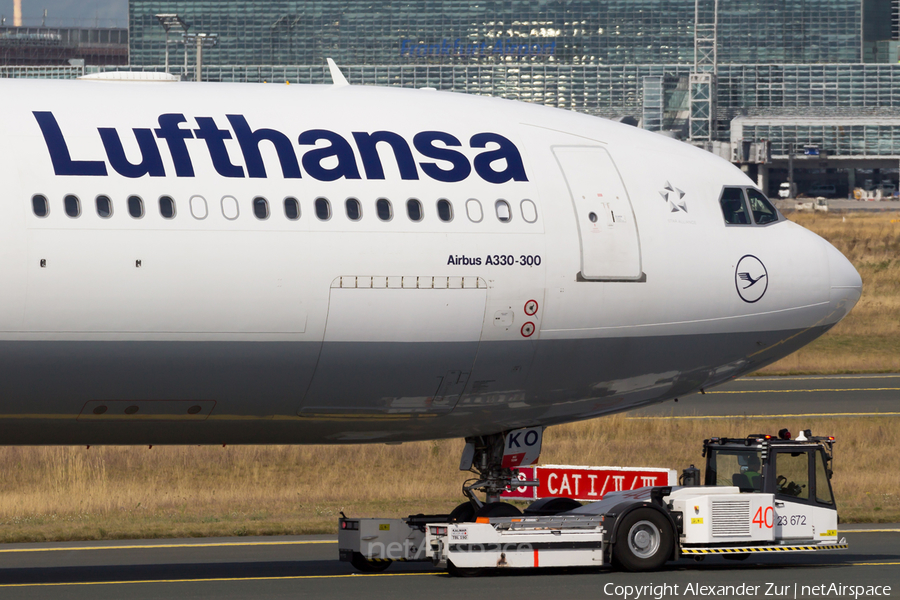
x=248, y=392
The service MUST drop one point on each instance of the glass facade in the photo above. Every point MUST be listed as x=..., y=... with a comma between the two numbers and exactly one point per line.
x=456, y=32
x=796, y=59
x=849, y=138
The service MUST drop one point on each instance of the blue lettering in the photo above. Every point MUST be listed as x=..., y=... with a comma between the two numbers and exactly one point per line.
x=59, y=151
x=424, y=143
x=151, y=162
x=215, y=142
x=174, y=136
x=498, y=162
x=507, y=151
x=249, y=141
x=339, y=148
x=368, y=152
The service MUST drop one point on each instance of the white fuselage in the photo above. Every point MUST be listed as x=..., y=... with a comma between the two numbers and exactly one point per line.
x=606, y=278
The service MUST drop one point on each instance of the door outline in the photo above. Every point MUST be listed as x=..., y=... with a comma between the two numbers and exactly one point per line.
x=594, y=267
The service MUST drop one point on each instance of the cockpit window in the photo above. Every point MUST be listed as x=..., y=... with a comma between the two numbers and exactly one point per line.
x=762, y=209
x=733, y=207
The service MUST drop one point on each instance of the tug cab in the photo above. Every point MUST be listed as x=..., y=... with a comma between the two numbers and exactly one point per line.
x=797, y=472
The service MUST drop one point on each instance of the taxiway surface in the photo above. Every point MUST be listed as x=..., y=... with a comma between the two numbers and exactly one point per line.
x=814, y=395
x=307, y=567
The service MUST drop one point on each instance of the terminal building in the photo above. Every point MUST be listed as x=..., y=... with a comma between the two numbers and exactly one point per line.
x=765, y=83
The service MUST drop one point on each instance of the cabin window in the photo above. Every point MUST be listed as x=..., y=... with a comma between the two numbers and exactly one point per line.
x=199, y=209
x=733, y=208
x=529, y=211
x=762, y=209
x=384, y=209
x=504, y=214
x=291, y=208
x=135, y=206
x=104, y=206
x=230, y=208
x=323, y=209
x=354, y=210
x=445, y=210
x=167, y=207
x=414, y=209
x=474, y=211
x=73, y=205
x=261, y=208
x=39, y=205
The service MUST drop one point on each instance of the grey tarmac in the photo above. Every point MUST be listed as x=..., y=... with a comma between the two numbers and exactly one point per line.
x=813, y=395
x=307, y=567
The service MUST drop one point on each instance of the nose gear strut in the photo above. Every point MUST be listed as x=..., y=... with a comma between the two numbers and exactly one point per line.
x=483, y=455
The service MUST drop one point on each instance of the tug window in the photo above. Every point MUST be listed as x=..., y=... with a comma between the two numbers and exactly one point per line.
x=73, y=206
x=354, y=210
x=291, y=208
x=384, y=210
x=135, y=206
x=762, y=209
x=445, y=210
x=823, y=488
x=323, y=209
x=733, y=207
x=40, y=205
x=792, y=474
x=261, y=208
x=167, y=207
x=414, y=209
x=504, y=214
x=104, y=206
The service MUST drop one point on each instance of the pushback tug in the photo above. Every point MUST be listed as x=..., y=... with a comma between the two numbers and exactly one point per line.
x=762, y=493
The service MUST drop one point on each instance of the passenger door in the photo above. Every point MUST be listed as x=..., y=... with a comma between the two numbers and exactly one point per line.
x=610, y=248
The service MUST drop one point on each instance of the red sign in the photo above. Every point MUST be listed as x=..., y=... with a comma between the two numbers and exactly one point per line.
x=586, y=483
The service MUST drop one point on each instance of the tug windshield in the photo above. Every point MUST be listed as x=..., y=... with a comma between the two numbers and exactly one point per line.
x=735, y=467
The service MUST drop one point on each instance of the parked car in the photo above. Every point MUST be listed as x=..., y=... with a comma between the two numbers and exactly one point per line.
x=825, y=190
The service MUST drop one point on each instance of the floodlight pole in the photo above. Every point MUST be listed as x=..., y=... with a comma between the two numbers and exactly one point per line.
x=168, y=21
x=200, y=39
x=199, y=74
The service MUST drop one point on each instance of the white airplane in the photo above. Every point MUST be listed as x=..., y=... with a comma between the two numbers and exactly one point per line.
x=243, y=264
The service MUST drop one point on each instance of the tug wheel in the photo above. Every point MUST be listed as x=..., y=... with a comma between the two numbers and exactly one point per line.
x=361, y=563
x=464, y=513
x=498, y=509
x=644, y=541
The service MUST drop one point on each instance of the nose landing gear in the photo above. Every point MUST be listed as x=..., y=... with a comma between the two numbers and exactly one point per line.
x=491, y=458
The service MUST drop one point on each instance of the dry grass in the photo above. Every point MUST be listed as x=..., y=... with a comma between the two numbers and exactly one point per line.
x=868, y=340
x=127, y=492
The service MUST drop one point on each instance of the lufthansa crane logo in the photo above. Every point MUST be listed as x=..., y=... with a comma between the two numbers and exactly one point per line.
x=751, y=278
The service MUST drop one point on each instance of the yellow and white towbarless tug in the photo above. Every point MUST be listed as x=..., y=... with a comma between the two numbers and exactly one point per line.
x=762, y=493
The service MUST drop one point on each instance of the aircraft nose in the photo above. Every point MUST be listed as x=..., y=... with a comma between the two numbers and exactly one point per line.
x=846, y=284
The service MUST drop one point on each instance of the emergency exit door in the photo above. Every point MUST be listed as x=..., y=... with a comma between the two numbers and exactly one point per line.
x=610, y=248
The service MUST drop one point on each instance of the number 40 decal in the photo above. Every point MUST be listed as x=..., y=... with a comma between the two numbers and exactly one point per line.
x=764, y=519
